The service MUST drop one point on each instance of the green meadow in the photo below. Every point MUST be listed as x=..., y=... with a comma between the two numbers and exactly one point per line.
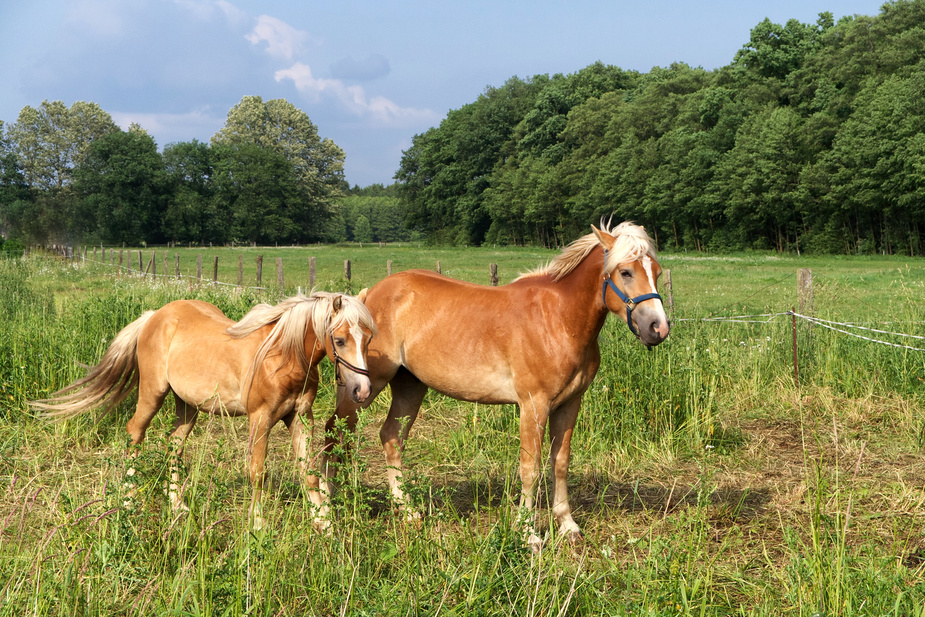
x=705, y=479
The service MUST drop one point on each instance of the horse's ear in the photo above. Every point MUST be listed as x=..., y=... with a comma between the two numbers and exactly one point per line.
x=604, y=238
x=337, y=302
x=362, y=295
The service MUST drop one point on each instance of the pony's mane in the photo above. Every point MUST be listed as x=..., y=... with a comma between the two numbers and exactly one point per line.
x=292, y=317
x=632, y=242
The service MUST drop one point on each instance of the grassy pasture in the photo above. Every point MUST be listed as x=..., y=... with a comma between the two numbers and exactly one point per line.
x=705, y=481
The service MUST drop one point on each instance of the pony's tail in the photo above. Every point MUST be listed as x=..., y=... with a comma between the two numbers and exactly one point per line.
x=105, y=385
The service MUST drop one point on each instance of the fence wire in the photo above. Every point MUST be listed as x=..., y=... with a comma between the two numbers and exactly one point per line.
x=764, y=318
x=760, y=318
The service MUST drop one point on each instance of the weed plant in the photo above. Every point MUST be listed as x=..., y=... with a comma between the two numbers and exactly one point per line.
x=705, y=480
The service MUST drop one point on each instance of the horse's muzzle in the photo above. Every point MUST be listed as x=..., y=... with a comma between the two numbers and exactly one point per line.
x=359, y=390
x=652, y=325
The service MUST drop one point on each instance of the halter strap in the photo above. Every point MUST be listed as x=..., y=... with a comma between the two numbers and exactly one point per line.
x=629, y=302
x=338, y=360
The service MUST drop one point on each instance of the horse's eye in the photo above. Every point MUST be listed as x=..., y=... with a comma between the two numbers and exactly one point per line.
x=626, y=274
x=340, y=342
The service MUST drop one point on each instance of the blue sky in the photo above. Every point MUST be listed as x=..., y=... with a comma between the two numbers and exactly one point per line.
x=369, y=74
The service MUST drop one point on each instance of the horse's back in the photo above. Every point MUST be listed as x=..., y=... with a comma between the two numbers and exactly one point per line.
x=462, y=339
x=185, y=344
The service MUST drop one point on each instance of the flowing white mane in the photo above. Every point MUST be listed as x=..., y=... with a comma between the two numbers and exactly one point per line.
x=293, y=316
x=632, y=242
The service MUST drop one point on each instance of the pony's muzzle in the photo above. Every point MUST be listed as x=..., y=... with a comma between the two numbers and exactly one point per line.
x=652, y=325
x=359, y=389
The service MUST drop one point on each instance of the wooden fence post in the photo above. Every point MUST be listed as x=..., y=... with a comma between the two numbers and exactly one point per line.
x=388, y=268
x=120, y=261
x=347, y=269
x=153, y=265
x=493, y=274
x=140, y=262
x=279, y=273
x=240, y=270
x=199, y=268
x=805, y=290
x=311, y=274
x=177, y=264
x=215, y=272
x=669, y=292
x=438, y=267
x=259, y=269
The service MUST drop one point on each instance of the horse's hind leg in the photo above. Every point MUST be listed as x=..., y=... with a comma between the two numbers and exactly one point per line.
x=407, y=395
x=151, y=394
x=182, y=426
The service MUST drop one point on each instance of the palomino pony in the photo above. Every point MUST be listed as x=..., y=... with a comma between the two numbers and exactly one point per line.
x=265, y=366
x=533, y=342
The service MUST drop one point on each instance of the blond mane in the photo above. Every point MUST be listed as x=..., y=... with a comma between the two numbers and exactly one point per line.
x=292, y=317
x=632, y=242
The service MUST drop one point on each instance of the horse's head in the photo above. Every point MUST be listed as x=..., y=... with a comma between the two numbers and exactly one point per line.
x=349, y=330
x=629, y=281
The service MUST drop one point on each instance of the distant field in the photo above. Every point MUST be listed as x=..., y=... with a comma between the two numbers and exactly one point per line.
x=705, y=481
x=853, y=287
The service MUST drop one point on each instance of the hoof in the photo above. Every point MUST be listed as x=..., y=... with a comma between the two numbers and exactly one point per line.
x=574, y=537
x=322, y=526
x=412, y=515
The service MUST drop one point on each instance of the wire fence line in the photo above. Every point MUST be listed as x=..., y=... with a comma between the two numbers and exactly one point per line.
x=759, y=318
x=765, y=318
x=123, y=270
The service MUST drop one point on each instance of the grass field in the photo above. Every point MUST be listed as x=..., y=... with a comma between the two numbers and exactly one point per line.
x=705, y=481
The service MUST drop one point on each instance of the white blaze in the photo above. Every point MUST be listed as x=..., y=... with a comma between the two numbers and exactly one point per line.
x=647, y=266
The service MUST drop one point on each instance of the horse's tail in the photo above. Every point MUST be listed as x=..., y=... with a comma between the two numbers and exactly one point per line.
x=106, y=384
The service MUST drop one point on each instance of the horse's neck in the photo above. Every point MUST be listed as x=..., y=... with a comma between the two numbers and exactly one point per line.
x=314, y=350
x=581, y=293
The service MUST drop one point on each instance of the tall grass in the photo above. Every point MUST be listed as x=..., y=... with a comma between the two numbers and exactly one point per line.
x=705, y=481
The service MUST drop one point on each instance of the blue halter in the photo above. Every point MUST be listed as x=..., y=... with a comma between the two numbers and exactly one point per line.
x=629, y=302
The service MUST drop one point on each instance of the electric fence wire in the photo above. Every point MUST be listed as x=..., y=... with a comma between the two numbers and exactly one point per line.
x=126, y=271
x=760, y=318
x=765, y=318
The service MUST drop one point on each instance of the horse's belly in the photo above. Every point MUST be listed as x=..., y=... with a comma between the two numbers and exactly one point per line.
x=215, y=399
x=489, y=387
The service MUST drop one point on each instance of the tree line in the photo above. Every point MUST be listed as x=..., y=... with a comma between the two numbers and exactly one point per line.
x=812, y=138
x=69, y=174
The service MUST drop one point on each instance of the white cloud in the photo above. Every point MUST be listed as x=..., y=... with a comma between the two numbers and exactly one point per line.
x=283, y=41
x=204, y=10
x=168, y=128
x=97, y=18
x=378, y=109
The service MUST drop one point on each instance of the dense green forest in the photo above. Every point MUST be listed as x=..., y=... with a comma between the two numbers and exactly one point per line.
x=811, y=139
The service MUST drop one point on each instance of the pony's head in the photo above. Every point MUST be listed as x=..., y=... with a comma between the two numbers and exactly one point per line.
x=348, y=328
x=630, y=275
x=341, y=324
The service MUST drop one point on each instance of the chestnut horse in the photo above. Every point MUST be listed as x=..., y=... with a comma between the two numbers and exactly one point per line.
x=533, y=342
x=265, y=366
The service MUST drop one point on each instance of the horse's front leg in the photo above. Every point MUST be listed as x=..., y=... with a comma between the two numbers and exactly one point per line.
x=561, y=424
x=313, y=482
x=408, y=393
x=260, y=425
x=534, y=412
